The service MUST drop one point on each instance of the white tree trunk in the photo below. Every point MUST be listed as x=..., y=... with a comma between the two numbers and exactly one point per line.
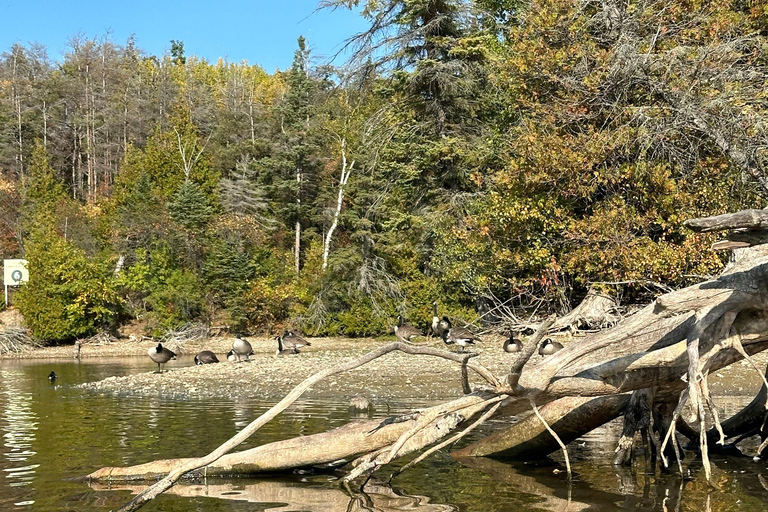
x=188, y=155
x=345, y=172
x=297, y=243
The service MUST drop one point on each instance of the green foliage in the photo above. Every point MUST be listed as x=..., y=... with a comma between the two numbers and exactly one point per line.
x=44, y=190
x=498, y=147
x=68, y=294
x=189, y=206
x=168, y=293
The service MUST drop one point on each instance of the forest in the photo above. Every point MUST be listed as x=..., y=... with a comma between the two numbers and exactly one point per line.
x=502, y=157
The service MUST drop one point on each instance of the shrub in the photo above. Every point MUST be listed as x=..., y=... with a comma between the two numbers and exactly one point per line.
x=67, y=296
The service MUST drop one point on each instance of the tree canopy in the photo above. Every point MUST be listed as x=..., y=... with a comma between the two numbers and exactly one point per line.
x=473, y=151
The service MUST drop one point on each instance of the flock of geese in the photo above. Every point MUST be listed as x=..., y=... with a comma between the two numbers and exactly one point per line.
x=291, y=343
x=463, y=337
x=288, y=343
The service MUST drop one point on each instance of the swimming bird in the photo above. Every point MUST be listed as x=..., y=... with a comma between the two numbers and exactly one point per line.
x=292, y=340
x=513, y=344
x=52, y=376
x=206, y=357
x=406, y=332
x=549, y=347
x=241, y=347
x=160, y=355
x=439, y=326
x=360, y=403
x=460, y=336
x=232, y=357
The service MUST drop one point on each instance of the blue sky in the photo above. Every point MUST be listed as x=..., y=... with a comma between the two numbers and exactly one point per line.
x=260, y=31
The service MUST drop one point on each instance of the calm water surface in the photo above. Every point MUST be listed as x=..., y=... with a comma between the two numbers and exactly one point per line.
x=55, y=433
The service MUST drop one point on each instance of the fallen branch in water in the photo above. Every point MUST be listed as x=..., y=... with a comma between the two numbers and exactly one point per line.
x=192, y=464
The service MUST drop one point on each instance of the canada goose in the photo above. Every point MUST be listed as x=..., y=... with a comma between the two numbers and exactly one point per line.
x=292, y=340
x=513, y=344
x=232, y=357
x=406, y=332
x=206, y=357
x=460, y=336
x=439, y=326
x=241, y=347
x=549, y=347
x=52, y=376
x=160, y=355
x=283, y=349
x=360, y=403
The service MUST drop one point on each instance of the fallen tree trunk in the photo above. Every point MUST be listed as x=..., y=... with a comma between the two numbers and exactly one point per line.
x=345, y=442
x=570, y=417
x=671, y=347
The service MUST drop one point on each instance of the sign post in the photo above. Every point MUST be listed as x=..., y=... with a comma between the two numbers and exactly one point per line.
x=14, y=273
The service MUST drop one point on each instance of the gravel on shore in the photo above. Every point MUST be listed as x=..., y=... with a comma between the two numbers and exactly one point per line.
x=270, y=376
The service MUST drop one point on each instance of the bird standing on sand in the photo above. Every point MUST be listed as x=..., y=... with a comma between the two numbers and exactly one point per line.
x=241, y=348
x=290, y=343
x=513, y=344
x=293, y=340
x=549, y=347
x=406, y=332
x=460, y=336
x=206, y=357
x=160, y=355
x=282, y=349
x=439, y=326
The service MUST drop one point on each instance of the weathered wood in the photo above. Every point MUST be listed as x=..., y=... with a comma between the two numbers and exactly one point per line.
x=570, y=417
x=193, y=464
x=528, y=350
x=749, y=219
x=686, y=333
x=596, y=311
x=344, y=442
x=751, y=237
x=748, y=421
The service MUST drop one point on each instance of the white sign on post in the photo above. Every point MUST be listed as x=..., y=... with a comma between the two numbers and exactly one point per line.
x=14, y=273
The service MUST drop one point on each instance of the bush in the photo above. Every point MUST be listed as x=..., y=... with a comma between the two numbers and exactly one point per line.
x=171, y=294
x=68, y=296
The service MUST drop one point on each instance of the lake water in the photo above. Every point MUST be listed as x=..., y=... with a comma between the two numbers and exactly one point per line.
x=54, y=433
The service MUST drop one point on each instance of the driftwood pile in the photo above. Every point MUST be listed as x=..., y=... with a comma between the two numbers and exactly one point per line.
x=16, y=339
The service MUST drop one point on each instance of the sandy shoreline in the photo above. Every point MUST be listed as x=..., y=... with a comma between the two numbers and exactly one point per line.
x=270, y=376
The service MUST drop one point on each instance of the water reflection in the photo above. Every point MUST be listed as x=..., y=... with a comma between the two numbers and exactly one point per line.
x=19, y=427
x=54, y=434
x=307, y=495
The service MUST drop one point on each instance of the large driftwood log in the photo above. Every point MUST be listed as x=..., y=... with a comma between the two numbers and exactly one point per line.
x=570, y=417
x=342, y=443
x=671, y=347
